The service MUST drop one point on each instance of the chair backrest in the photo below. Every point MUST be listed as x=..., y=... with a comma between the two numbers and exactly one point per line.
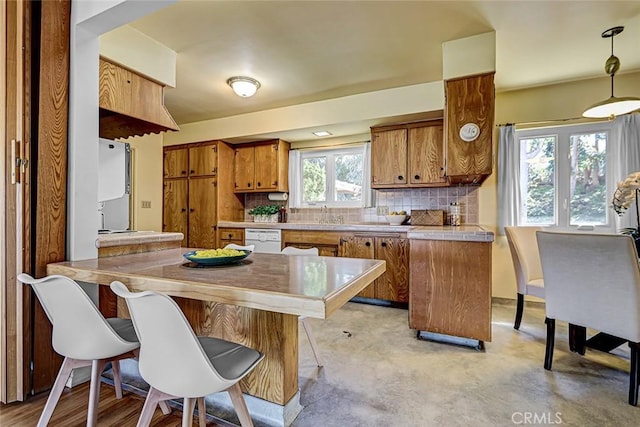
x=291, y=250
x=171, y=358
x=525, y=255
x=240, y=247
x=592, y=280
x=79, y=329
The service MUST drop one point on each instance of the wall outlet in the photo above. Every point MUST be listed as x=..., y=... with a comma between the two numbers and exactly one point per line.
x=382, y=210
x=146, y=204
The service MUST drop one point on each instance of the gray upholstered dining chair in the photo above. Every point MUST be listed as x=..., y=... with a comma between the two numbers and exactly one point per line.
x=304, y=321
x=178, y=364
x=83, y=337
x=593, y=281
x=526, y=262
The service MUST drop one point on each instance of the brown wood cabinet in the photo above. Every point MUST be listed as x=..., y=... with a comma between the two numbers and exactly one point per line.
x=450, y=288
x=327, y=242
x=408, y=155
x=198, y=191
x=469, y=101
x=261, y=167
x=230, y=235
x=393, y=285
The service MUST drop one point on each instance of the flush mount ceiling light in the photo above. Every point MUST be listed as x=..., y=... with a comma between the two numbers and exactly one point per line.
x=243, y=86
x=322, y=133
x=613, y=106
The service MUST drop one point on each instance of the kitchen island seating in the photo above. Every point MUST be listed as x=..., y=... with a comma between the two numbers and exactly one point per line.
x=291, y=250
x=593, y=281
x=178, y=364
x=83, y=336
x=526, y=262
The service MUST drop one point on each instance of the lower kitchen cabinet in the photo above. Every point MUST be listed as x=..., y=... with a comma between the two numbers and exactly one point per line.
x=451, y=288
x=230, y=235
x=393, y=285
x=202, y=215
x=326, y=241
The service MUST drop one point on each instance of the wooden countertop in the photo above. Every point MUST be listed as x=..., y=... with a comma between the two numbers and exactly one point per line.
x=299, y=285
x=467, y=232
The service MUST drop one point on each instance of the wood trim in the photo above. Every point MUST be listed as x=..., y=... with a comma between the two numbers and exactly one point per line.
x=4, y=366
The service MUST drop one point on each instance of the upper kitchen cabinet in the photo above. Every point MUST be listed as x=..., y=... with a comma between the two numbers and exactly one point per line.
x=261, y=167
x=176, y=162
x=408, y=155
x=470, y=103
x=130, y=104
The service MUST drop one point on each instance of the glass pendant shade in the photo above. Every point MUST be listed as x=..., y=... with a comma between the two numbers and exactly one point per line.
x=244, y=86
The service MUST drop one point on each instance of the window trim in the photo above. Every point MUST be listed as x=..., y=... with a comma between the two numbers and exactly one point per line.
x=563, y=165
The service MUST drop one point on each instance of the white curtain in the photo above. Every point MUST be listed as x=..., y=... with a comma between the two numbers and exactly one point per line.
x=508, y=178
x=367, y=197
x=625, y=154
x=295, y=179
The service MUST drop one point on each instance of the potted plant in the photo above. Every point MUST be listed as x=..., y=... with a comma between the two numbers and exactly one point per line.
x=265, y=213
x=627, y=193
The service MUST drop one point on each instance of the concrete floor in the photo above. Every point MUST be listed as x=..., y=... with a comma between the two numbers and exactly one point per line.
x=377, y=373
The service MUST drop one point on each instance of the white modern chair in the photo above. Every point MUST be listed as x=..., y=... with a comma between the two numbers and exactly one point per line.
x=178, y=364
x=526, y=262
x=83, y=336
x=240, y=247
x=593, y=281
x=291, y=250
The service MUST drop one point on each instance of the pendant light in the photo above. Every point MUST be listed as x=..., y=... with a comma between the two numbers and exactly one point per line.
x=613, y=106
x=243, y=86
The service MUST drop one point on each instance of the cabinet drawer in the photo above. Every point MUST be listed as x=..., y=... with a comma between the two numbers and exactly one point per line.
x=231, y=234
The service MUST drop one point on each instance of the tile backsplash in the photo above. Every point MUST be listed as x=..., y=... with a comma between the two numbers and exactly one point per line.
x=395, y=200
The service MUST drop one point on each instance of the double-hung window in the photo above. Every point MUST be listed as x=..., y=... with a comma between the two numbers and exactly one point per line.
x=565, y=177
x=332, y=177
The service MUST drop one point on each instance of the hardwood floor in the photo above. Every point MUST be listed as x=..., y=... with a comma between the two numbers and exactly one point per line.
x=71, y=410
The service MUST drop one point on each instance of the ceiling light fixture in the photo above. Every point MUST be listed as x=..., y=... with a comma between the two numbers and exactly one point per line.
x=243, y=86
x=613, y=106
x=322, y=133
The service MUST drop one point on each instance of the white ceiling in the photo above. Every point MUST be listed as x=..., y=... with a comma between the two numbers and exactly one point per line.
x=303, y=51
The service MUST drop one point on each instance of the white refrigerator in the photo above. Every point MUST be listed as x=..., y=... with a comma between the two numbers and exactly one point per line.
x=114, y=185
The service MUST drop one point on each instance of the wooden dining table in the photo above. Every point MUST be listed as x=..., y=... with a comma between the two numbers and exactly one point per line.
x=255, y=302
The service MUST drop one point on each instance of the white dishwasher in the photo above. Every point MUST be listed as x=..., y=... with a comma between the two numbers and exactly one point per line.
x=265, y=240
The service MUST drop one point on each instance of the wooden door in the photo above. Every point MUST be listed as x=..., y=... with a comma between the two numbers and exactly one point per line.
x=426, y=159
x=175, y=163
x=393, y=285
x=244, y=169
x=202, y=213
x=359, y=247
x=174, y=212
x=203, y=160
x=389, y=158
x=266, y=167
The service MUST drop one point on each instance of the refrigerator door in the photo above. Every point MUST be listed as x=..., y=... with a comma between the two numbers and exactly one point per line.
x=113, y=169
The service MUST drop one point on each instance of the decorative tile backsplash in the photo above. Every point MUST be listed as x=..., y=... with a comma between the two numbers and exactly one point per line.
x=394, y=200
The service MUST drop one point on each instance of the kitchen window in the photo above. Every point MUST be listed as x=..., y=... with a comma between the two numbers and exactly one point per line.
x=565, y=177
x=332, y=177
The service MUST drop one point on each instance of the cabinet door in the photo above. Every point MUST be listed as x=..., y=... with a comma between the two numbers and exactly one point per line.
x=393, y=285
x=266, y=167
x=426, y=161
x=174, y=212
x=175, y=163
x=203, y=160
x=202, y=213
x=244, y=169
x=359, y=247
x=389, y=158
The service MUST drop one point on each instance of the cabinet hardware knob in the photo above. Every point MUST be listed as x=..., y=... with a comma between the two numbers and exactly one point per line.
x=400, y=177
x=183, y=210
x=367, y=244
x=230, y=235
x=248, y=185
x=383, y=244
x=259, y=184
x=192, y=171
x=191, y=210
x=183, y=172
x=416, y=177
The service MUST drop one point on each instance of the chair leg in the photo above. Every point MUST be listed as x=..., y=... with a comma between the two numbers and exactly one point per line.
x=153, y=398
x=519, y=310
x=164, y=407
x=117, y=380
x=202, y=412
x=56, y=391
x=551, y=337
x=187, y=411
x=634, y=373
x=97, y=366
x=314, y=346
x=577, y=339
x=240, y=406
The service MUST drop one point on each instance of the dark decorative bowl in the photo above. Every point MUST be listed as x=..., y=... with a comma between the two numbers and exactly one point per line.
x=216, y=260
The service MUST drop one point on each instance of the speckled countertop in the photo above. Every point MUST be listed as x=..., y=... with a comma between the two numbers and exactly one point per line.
x=135, y=238
x=469, y=232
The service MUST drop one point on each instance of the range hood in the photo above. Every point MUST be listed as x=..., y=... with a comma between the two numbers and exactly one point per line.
x=130, y=104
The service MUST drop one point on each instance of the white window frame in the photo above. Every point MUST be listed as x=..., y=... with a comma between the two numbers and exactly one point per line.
x=563, y=169
x=330, y=154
